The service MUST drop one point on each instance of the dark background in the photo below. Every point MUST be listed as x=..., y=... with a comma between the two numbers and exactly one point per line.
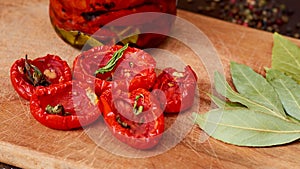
x=282, y=16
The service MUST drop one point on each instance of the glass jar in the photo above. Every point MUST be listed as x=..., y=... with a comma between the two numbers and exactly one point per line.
x=75, y=21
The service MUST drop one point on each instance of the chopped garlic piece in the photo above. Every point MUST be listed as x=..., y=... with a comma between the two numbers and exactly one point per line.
x=50, y=74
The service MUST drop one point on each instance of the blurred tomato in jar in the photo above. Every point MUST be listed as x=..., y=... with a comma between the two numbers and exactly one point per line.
x=76, y=20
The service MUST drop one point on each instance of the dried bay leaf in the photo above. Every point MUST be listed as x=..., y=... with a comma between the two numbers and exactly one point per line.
x=260, y=112
x=244, y=127
x=224, y=89
x=255, y=87
x=225, y=104
x=288, y=91
x=286, y=56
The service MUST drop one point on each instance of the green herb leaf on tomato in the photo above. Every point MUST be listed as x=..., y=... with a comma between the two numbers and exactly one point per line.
x=286, y=56
x=57, y=110
x=34, y=75
x=138, y=109
x=113, y=61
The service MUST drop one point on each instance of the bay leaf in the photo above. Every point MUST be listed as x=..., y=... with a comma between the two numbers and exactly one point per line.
x=224, y=89
x=288, y=91
x=244, y=127
x=255, y=87
x=224, y=104
x=286, y=56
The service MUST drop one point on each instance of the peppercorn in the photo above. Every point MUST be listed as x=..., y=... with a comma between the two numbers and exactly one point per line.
x=266, y=15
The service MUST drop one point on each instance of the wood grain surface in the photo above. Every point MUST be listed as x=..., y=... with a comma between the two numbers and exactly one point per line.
x=25, y=29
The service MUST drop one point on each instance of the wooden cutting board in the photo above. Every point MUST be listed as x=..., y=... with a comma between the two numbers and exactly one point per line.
x=25, y=29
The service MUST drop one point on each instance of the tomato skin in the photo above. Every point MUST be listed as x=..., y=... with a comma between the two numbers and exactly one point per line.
x=51, y=62
x=179, y=91
x=140, y=135
x=135, y=69
x=86, y=64
x=72, y=95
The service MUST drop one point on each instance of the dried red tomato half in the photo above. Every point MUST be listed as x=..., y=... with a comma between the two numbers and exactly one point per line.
x=178, y=87
x=65, y=106
x=135, y=70
x=134, y=118
x=127, y=67
x=86, y=64
x=26, y=75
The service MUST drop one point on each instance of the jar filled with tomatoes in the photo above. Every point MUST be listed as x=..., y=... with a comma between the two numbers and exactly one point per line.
x=75, y=21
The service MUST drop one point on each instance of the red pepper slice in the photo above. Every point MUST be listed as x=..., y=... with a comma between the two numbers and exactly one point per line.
x=178, y=87
x=65, y=106
x=26, y=75
x=134, y=69
x=134, y=118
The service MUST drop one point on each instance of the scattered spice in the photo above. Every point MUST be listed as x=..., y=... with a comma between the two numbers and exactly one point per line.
x=271, y=16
